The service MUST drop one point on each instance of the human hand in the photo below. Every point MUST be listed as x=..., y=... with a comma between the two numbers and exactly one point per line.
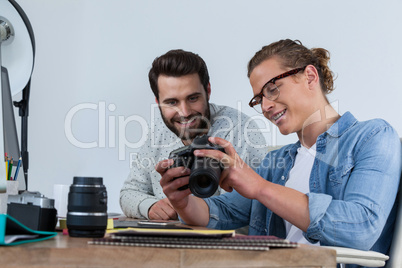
x=172, y=179
x=236, y=173
x=162, y=210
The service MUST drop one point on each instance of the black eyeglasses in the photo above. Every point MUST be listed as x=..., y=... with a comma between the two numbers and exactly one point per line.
x=270, y=90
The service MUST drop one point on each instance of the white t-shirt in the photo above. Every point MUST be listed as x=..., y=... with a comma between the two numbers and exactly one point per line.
x=299, y=178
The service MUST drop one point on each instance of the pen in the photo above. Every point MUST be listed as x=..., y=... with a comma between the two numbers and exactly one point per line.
x=10, y=167
x=17, y=169
x=6, y=162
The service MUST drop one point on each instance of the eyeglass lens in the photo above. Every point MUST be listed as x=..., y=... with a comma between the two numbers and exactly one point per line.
x=270, y=91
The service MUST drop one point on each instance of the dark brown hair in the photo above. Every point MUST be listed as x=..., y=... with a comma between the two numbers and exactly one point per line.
x=292, y=54
x=177, y=63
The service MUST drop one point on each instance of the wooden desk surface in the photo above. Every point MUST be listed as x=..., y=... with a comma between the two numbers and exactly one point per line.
x=65, y=251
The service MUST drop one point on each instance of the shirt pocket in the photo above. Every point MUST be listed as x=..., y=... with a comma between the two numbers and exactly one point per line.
x=258, y=226
x=338, y=175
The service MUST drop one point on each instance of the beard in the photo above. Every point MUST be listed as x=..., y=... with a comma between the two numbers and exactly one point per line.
x=187, y=134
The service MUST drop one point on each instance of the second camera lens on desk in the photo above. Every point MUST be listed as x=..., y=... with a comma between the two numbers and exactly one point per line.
x=87, y=207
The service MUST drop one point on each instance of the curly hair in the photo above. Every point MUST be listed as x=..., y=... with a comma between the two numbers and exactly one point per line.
x=292, y=54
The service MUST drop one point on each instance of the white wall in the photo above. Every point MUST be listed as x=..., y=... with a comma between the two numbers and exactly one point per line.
x=99, y=52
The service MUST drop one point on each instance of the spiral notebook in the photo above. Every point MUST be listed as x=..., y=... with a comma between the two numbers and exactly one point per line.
x=192, y=239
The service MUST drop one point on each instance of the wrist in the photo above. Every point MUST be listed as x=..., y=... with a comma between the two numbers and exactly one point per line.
x=145, y=206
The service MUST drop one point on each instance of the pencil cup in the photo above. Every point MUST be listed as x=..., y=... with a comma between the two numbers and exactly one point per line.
x=11, y=189
x=60, y=196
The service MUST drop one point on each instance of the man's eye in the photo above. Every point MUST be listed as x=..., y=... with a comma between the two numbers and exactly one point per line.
x=171, y=103
x=270, y=89
x=193, y=99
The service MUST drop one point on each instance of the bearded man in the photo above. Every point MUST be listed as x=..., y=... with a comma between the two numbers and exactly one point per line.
x=180, y=82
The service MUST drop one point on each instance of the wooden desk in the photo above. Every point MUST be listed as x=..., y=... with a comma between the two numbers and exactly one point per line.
x=65, y=251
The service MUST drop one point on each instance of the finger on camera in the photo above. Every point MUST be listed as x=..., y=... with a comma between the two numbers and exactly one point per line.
x=225, y=159
x=162, y=166
x=179, y=183
x=178, y=172
x=172, y=174
x=177, y=196
x=215, y=154
x=219, y=141
x=227, y=146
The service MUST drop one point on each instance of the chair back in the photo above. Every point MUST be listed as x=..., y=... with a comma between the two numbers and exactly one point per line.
x=395, y=254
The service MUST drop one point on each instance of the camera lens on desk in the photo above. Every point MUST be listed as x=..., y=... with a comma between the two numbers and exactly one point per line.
x=87, y=207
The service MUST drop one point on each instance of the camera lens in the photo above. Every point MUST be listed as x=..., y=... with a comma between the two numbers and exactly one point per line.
x=87, y=207
x=204, y=177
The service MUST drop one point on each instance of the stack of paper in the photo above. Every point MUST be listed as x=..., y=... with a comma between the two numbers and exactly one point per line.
x=196, y=239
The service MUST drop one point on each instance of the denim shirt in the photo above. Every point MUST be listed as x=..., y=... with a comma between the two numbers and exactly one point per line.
x=353, y=185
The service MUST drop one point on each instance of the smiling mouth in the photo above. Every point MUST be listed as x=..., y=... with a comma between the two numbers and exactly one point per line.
x=278, y=115
x=184, y=122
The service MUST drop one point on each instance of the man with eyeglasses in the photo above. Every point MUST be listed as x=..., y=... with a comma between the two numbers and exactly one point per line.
x=336, y=186
x=270, y=90
x=180, y=83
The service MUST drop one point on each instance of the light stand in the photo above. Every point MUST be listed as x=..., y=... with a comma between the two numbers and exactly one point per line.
x=17, y=53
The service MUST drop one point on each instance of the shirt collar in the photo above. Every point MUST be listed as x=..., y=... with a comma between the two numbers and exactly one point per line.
x=345, y=122
x=213, y=108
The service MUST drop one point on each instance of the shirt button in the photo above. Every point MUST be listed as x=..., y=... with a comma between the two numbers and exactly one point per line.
x=283, y=178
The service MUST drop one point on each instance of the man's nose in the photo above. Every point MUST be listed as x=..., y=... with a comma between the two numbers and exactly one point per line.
x=267, y=104
x=185, y=110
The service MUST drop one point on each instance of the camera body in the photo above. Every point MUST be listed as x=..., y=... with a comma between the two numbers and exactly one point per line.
x=87, y=207
x=34, y=210
x=205, y=172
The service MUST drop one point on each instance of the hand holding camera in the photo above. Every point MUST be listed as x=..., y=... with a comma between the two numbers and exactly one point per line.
x=205, y=172
x=237, y=174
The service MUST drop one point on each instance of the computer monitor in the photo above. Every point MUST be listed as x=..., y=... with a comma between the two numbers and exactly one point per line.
x=10, y=136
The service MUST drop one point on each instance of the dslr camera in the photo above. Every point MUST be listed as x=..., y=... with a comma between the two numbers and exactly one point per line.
x=34, y=210
x=205, y=172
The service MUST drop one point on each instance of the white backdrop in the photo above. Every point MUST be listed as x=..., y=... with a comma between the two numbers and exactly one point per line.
x=90, y=86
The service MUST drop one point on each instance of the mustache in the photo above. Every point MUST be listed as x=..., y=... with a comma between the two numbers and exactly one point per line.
x=188, y=118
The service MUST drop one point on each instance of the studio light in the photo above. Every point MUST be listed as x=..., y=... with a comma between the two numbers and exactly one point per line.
x=17, y=54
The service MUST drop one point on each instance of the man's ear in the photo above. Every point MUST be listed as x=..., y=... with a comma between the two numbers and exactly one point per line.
x=208, y=91
x=156, y=100
x=312, y=76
